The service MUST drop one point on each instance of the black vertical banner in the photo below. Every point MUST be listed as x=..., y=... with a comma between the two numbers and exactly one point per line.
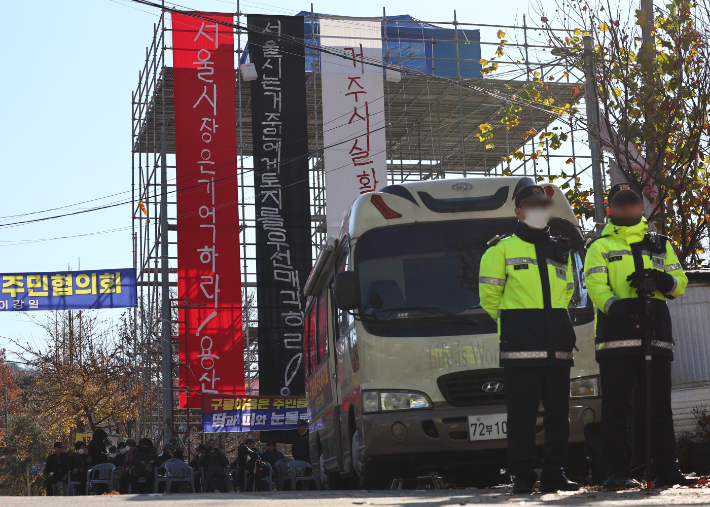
x=283, y=218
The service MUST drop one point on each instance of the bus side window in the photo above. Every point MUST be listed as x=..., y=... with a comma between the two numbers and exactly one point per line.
x=323, y=324
x=345, y=321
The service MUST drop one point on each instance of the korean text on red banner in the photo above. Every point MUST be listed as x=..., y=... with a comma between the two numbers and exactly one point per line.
x=209, y=279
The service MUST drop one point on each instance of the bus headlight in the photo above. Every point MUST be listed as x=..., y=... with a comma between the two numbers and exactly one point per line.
x=370, y=401
x=374, y=401
x=584, y=387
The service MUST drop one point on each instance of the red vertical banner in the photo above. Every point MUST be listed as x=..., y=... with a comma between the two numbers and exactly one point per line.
x=209, y=278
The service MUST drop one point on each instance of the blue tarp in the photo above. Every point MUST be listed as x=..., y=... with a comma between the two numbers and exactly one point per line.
x=416, y=47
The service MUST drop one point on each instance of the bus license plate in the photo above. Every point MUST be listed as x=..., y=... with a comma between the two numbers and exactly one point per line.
x=488, y=427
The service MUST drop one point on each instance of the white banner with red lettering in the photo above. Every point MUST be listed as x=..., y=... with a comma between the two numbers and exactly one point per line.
x=353, y=113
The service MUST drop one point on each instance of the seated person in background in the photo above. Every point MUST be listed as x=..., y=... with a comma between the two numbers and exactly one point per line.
x=177, y=452
x=117, y=457
x=271, y=455
x=131, y=449
x=78, y=467
x=248, y=460
x=144, y=462
x=242, y=463
x=56, y=468
x=199, y=451
x=166, y=454
x=214, y=461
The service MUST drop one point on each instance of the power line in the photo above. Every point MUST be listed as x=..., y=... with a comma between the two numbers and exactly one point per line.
x=30, y=241
x=293, y=40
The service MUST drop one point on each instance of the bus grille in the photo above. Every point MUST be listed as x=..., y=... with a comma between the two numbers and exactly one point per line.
x=465, y=388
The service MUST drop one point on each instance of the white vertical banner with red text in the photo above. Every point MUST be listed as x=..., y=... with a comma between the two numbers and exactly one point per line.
x=353, y=113
x=209, y=279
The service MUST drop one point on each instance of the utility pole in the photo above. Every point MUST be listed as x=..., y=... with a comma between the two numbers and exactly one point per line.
x=6, y=418
x=593, y=131
x=167, y=359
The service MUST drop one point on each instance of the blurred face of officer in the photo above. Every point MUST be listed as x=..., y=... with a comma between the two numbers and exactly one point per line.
x=250, y=445
x=58, y=450
x=626, y=208
x=535, y=213
x=271, y=448
x=212, y=444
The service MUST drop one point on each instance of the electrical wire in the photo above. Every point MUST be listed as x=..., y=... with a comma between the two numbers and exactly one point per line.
x=30, y=241
x=294, y=40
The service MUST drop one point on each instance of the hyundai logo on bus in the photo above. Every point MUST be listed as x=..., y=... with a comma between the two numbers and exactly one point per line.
x=492, y=387
x=461, y=186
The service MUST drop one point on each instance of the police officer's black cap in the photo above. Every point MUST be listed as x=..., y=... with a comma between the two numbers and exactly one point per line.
x=58, y=445
x=624, y=191
x=201, y=447
x=271, y=442
x=531, y=193
x=112, y=449
x=301, y=422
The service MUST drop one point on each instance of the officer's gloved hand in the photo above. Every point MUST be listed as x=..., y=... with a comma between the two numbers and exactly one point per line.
x=664, y=281
x=622, y=313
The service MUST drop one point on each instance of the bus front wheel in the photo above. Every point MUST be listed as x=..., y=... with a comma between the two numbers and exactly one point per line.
x=331, y=480
x=367, y=475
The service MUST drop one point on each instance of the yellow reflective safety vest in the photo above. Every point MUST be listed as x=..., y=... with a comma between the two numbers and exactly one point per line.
x=526, y=283
x=609, y=261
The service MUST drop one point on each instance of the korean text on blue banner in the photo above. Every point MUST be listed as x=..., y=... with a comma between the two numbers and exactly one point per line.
x=252, y=413
x=68, y=290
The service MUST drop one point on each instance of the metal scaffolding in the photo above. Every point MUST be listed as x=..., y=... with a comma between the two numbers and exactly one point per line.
x=431, y=123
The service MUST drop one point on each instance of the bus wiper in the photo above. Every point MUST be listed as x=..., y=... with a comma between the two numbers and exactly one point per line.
x=434, y=310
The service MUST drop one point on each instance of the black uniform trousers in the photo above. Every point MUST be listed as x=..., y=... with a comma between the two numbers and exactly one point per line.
x=525, y=388
x=618, y=375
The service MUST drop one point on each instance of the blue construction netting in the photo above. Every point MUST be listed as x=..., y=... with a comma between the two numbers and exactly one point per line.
x=414, y=47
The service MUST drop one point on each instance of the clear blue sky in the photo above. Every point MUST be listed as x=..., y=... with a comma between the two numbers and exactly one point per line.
x=66, y=118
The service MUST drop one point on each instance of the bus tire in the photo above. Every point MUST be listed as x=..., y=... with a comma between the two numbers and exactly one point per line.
x=331, y=480
x=367, y=475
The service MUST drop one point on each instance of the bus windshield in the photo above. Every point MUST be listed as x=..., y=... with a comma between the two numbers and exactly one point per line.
x=421, y=272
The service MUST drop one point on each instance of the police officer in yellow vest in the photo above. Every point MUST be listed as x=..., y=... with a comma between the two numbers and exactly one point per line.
x=526, y=283
x=617, y=263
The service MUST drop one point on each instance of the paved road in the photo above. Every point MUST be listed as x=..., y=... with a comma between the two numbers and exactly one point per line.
x=446, y=498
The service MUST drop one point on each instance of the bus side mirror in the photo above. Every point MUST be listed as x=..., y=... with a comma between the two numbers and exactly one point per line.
x=347, y=290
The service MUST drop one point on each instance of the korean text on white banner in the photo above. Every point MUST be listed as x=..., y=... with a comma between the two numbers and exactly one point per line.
x=354, y=112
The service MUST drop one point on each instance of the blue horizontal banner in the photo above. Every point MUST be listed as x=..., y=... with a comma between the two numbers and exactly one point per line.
x=68, y=290
x=252, y=413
